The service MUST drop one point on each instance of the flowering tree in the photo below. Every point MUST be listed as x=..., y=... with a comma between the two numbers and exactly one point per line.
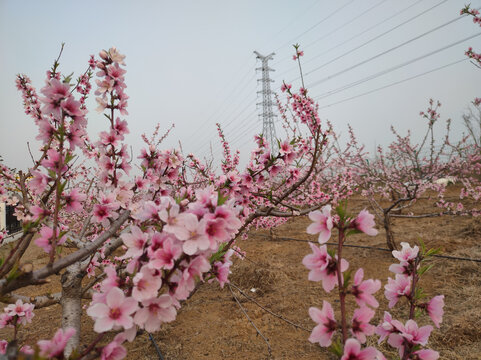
x=399, y=176
x=332, y=269
x=143, y=238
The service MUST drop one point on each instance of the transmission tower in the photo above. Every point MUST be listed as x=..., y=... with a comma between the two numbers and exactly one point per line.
x=268, y=116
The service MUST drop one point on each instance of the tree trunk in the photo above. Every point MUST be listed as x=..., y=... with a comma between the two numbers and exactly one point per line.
x=71, y=304
x=391, y=244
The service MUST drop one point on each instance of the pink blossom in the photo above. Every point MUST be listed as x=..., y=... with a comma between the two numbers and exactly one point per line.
x=316, y=262
x=365, y=222
x=121, y=127
x=186, y=280
x=396, y=288
x=113, y=351
x=72, y=107
x=55, y=347
x=38, y=183
x=222, y=269
x=146, y=284
x=38, y=212
x=386, y=328
x=326, y=324
x=23, y=311
x=3, y=346
x=323, y=267
x=111, y=281
x=46, y=238
x=435, y=309
x=285, y=87
x=360, y=327
x=322, y=223
x=192, y=233
x=135, y=242
x=55, y=161
x=56, y=90
x=101, y=213
x=352, y=351
x=216, y=232
x=26, y=349
x=114, y=313
x=5, y=321
x=409, y=335
x=229, y=216
x=73, y=200
x=154, y=312
x=164, y=257
x=426, y=354
x=363, y=290
x=407, y=252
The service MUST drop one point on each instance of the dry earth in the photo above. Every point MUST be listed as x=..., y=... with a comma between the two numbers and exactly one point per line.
x=211, y=324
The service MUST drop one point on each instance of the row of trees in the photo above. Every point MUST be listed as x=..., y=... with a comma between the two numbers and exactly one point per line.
x=135, y=235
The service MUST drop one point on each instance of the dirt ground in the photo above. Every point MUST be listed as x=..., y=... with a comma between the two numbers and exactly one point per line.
x=211, y=324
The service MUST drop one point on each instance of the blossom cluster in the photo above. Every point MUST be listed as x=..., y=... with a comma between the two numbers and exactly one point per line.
x=409, y=339
x=162, y=264
x=326, y=267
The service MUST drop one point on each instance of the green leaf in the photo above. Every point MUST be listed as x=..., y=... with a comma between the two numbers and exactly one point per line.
x=336, y=348
x=417, y=313
x=419, y=294
x=14, y=273
x=347, y=277
x=423, y=247
x=352, y=232
x=68, y=78
x=341, y=209
x=62, y=186
x=424, y=269
x=217, y=256
x=221, y=199
x=331, y=252
x=433, y=252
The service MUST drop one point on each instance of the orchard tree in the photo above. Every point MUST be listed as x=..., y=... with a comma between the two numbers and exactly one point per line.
x=135, y=241
x=397, y=177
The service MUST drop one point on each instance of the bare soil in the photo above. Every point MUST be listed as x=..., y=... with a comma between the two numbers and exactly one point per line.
x=211, y=324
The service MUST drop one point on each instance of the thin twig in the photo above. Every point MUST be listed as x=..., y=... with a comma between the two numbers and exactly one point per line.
x=30, y=152
x=269, y=311
x=252, y=323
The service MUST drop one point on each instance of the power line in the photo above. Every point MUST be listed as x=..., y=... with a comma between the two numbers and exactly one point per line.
x=314, y=3
x=370, y=40
x=356, y=17
x=204, y=144
x=381, y=53
x=393, y=84
x=230, y=95
x=315, y=25
x=376, y=75
x=355, y=36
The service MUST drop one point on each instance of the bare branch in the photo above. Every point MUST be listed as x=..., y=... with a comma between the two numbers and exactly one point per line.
x=39, y=276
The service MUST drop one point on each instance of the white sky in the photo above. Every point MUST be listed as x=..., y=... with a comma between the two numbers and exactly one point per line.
x=191, y=63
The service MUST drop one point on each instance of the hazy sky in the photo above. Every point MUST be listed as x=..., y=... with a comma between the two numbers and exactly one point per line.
x=191, y=63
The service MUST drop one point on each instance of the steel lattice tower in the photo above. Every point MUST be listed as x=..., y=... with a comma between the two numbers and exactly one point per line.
x=268, y=116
